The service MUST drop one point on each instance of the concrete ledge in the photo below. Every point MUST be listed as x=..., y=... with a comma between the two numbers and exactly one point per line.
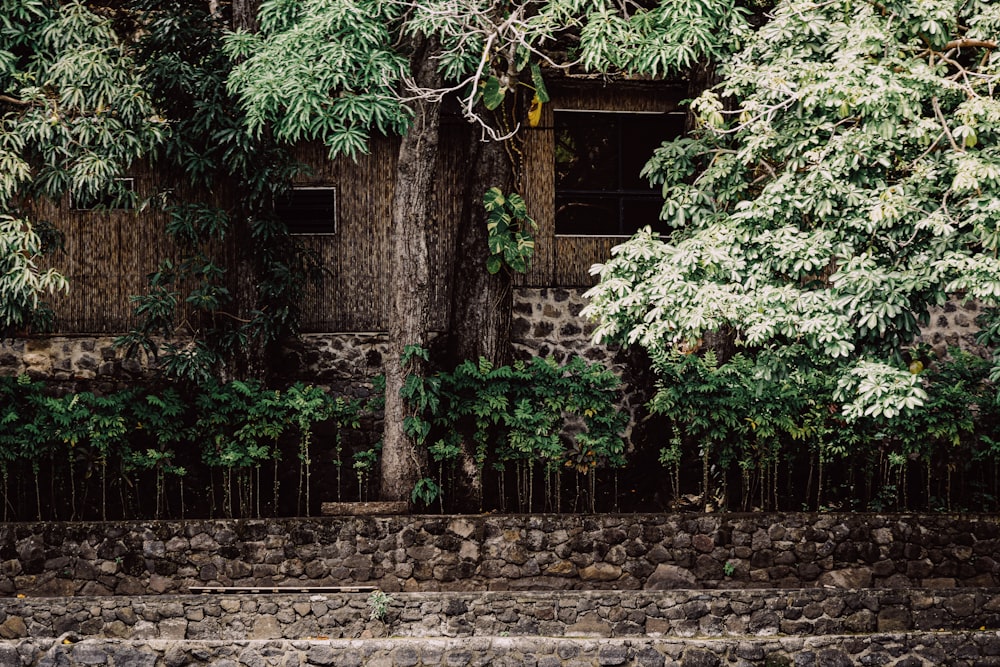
x=962, y=649
x=594, y=614
x=373, y=508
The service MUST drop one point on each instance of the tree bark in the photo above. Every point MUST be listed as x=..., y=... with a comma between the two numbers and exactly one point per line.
x=481, y=303
x=410, y=277
x=244, y=14
x=480, y=316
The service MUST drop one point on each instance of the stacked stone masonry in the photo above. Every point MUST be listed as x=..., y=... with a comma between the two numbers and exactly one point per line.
x=897, y=650
x=546, y=322
x=505, y=552
x=595, y=614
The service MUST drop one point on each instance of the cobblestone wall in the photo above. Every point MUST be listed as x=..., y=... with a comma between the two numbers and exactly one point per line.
x=953, y=325
x=505, y=552
x=685, y=613
x=961, y=649
x=546, y=321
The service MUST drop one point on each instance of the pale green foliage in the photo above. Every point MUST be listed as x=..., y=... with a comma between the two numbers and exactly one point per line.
x=321, y=70
x=509, y=232
x=675, y=34
x=74, y=118
x=874, y=388
x=83, y=116
x=856, y=183
x=337, y=69
x=21, y=281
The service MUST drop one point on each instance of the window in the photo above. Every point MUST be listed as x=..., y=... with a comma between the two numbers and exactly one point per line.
x=599, y=156
x=120, y=195
x=309, y=210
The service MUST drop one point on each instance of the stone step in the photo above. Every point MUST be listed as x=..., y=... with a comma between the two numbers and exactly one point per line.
x=919, y=649
x=595, y=614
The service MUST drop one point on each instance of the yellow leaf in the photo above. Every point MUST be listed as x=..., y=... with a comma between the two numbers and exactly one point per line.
x=535, y=112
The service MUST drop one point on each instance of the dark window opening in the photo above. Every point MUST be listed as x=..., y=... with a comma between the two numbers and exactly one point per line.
x=309, y=210
x=119, y=195
x=599, y=157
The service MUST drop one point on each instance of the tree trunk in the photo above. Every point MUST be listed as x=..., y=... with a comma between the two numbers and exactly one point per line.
x=480, y=317
x=244, y=14
x=409, y=277
x=481, y=303
x=249, y=360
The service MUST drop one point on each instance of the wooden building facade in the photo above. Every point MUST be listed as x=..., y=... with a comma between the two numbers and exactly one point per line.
x=583, y=157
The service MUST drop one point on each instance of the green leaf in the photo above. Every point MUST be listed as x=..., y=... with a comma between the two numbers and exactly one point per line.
x=536, y=79
x=493, y=199
x=493, y=94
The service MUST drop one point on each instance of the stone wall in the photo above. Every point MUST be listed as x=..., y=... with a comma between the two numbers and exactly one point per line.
x=953, y=325
x=960, y=649
x=683, y=613
x=504, y=552
x=74, y=363
x=546, y=321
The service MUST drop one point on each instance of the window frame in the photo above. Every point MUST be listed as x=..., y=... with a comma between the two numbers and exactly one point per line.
x=334, y=222
x=620, y=195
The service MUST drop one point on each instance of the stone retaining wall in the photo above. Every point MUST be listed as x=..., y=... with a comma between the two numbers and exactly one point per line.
x=545, y=321
x=962, y=649
x=724, y=613
x=505, y=552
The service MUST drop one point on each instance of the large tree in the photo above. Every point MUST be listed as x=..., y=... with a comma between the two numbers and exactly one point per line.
x=338, y=70
x=845, y=177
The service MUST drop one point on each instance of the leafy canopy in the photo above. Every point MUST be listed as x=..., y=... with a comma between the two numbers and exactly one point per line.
x=336, y=70
x=844, y=177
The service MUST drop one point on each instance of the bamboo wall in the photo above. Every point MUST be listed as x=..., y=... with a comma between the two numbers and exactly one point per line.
x=107, y=257
x=109, y=253
x=565, y=261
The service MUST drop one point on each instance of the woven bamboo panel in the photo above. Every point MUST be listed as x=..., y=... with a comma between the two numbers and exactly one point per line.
x=109, y=253
x=107, y=256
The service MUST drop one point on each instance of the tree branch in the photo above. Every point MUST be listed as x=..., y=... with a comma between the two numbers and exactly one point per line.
x=970, y=44
x=7, y=99
x=944, y=124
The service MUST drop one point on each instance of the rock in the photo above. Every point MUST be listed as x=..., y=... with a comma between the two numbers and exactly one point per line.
x=698, y=657
x=589, y=625
x=600, y=572
x=894, y=619
x=612, y=654
x=703, y=543
x=649, y=657
x=833, y=658
x=9, y=656
x=849, y=578
x=13, y=628
x=669, y=577
x=562, y=568
x=88, y=654
x=321, y=655
x=173, y=628
x=266, y=627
